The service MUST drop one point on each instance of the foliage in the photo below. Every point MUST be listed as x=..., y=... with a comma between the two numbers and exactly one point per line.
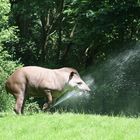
x=7, y=32
x=7, y=35
x=73, y=33
x=6, y=68
x=31, y=106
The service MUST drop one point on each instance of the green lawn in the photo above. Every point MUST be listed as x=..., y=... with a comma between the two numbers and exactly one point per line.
x=68, y=127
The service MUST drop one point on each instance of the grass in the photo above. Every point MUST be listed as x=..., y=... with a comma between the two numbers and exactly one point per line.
x=68, y=127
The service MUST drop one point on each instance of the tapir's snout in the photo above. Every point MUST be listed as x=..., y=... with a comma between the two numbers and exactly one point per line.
x=88, y=89
x=84, y=87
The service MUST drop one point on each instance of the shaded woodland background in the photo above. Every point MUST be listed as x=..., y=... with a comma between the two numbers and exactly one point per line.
x=75, y=33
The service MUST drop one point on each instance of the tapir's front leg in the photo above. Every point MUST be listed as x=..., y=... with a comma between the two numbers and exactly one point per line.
x=49, y=97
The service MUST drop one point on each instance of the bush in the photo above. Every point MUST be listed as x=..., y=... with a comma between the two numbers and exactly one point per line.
x=31, y=106
x=7, y=36
x=6, y=68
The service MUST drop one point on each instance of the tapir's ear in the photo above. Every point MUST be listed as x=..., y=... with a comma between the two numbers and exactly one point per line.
x=71, y=75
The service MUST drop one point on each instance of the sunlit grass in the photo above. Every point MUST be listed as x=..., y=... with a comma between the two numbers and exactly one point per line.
x=68, y=127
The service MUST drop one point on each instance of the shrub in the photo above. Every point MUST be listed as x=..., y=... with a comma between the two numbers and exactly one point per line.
x=6, y=68
x=31, y=106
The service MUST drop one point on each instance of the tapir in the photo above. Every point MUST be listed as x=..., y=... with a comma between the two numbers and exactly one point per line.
x=41, y=82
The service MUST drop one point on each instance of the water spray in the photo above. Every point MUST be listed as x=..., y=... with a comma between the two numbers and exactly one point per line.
x=76, y=93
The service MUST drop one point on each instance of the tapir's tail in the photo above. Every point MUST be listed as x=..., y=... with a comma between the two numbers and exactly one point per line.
x=6, y=87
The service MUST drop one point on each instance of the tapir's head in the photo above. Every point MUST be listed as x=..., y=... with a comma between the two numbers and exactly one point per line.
x=76, y=81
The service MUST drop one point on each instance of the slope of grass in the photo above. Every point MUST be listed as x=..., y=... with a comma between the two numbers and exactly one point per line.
x=68, y=127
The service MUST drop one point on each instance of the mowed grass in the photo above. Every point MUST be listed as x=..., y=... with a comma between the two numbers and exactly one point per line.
x=68, y=127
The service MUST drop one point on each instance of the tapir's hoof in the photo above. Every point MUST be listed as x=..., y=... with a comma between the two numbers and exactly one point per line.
x=46, y=107
x=18, y=113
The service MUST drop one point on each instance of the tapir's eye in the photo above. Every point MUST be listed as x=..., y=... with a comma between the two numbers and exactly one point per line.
x=79, y=83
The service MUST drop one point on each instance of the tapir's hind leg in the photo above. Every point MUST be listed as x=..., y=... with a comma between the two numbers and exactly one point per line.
x=19, y=94
x=19, y=103
x=49, y=98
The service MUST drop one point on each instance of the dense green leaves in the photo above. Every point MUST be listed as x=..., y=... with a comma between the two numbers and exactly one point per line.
x=7, y=35
x=6, y=68
x=7, y=32
x=53, y=32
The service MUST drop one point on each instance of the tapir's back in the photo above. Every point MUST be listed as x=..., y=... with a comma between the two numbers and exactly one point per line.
x=35, y=77
x=38, y=76
x=31, y=75
x=22, y=74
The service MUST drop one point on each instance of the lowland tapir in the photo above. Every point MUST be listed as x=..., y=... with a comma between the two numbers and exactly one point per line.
x=41, y=82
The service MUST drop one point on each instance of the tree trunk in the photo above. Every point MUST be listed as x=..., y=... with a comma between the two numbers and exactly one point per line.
x=60, y=6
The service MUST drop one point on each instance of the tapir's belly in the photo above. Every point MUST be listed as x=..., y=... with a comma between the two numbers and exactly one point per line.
x=38, y=92
x=35, y=92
